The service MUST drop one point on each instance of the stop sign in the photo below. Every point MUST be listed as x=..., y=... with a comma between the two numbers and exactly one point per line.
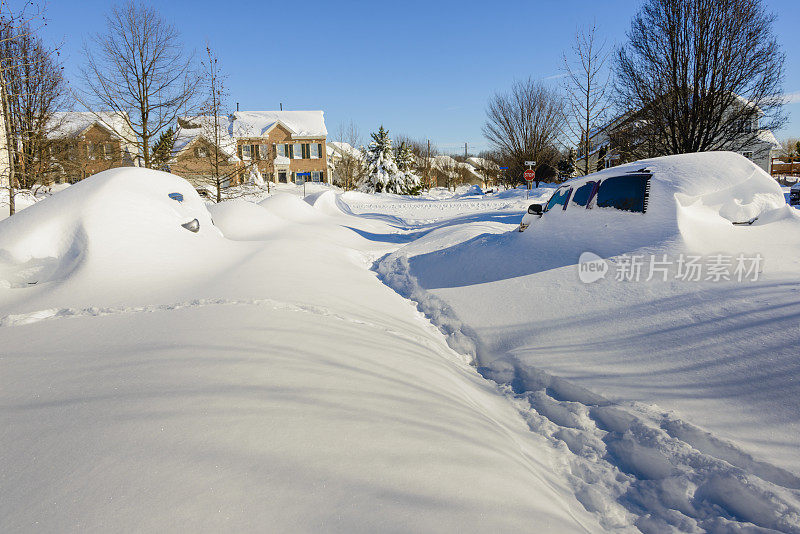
x=529, y=175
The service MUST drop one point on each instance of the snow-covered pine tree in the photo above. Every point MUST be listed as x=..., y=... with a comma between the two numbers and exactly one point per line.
x=382, y=172
x=405, y=158
x=405, y=162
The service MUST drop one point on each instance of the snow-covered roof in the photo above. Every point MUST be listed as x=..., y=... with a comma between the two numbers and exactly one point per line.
x=203, y=126
x=282, y=160
x=766, y=136
x=301, y=124
x=342, y=148
x=75, y=123
x=482, y=163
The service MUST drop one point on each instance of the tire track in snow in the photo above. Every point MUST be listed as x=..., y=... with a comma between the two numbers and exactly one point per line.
x=635, y=466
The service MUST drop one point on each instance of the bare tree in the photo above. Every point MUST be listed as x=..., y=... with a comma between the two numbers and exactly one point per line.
x=699, y=75
x=445, y=170
x=35, y=90
x=31, y=88
x=525, y=124
x=214, y=88
x=348, y=160
x=790, y=148
x=139, y=70
x=586, y=86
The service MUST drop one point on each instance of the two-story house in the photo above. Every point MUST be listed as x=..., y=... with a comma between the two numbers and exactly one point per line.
x=85, y=143
x=285, y=146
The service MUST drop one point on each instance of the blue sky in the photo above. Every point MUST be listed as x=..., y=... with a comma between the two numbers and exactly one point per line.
x=424, y=69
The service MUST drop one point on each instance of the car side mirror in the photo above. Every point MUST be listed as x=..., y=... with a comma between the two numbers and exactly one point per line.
x=535, y=209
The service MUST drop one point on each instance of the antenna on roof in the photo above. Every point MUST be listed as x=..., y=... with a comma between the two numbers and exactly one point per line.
x=237, y=106
x=281, y=106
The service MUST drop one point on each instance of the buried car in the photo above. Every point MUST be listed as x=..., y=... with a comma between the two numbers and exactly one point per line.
x=794, y=195
x=653, y=192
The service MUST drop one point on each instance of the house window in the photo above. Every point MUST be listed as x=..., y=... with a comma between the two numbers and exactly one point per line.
x=89, y=150
x=299, y=179
x=316, y=176
x=282, y=150
x=748, y=155
x=263, y=151
x=200, y=152
x=297, y=151
x=314, y=150
x=107, y=150
x=247, y=153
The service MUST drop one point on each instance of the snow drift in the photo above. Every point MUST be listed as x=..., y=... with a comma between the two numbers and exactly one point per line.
x=120, y=221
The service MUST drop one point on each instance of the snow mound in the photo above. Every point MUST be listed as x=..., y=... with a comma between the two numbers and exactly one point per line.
x=120, y=221
x=473, y=190
x=290, y=207
x=329, y=203
x=242, y=220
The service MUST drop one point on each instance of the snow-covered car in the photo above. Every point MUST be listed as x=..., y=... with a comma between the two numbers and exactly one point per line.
x=624, y=192
x=794, y=194
x=633, y=191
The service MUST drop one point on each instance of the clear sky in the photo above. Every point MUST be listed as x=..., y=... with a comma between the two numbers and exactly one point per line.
x=421, y=68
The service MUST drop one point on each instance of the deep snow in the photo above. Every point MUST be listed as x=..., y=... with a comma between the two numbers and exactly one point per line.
x=261, y=372
x=154, y=379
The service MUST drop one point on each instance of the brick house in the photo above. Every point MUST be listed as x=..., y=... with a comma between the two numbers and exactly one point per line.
x=85, y=143
x=285, y=146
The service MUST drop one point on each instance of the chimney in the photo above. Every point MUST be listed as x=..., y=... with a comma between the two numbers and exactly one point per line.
x=237, y=106
x=281, y=106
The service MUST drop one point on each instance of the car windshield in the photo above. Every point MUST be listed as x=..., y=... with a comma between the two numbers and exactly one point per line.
x=626, y=193
x=559, y=198
x=583, y=194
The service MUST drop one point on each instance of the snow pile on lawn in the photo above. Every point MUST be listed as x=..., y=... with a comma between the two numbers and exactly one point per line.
x=676, y=403
x=156, y=379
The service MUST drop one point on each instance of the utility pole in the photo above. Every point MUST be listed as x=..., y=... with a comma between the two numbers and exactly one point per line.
x=428, y=166
x=466, y=151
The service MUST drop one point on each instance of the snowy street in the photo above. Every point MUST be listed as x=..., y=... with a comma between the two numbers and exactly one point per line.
x=378, y=363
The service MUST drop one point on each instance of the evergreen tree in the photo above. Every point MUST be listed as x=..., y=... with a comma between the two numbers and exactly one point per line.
x=405, y=158
x=411, y=183
x=162, y=149
x=382, y=172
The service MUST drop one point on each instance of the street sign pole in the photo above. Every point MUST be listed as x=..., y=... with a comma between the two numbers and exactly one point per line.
x=530, y=170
